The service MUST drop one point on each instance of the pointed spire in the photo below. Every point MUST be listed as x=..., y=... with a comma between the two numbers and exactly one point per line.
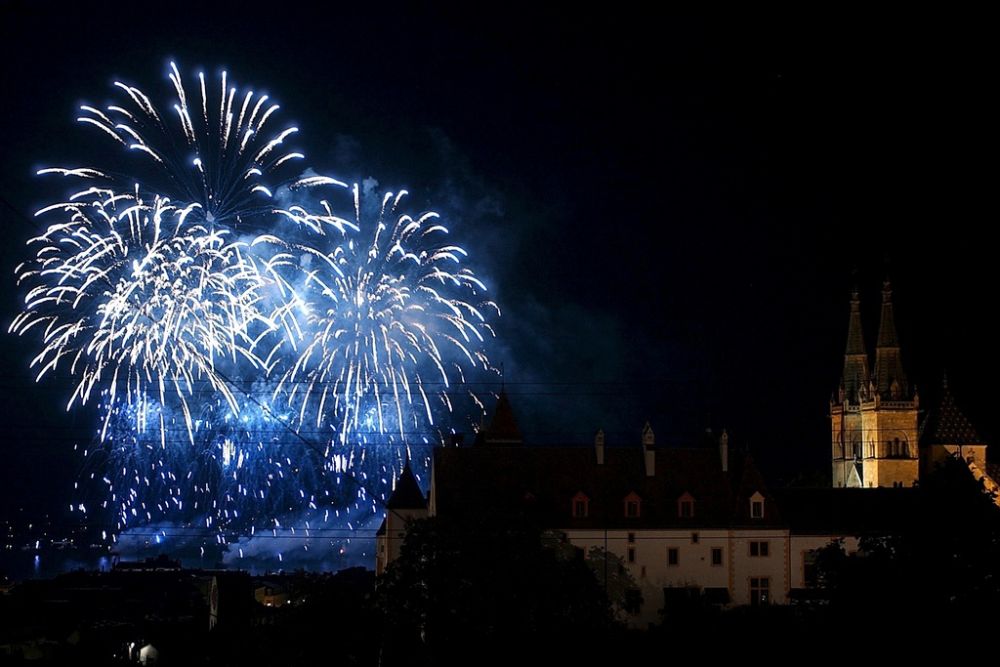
x=503, y=428
x=407, y=494
x=855, y=376
x=890, y=377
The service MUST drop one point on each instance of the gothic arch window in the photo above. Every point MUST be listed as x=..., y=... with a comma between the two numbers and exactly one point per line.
x=897, y=449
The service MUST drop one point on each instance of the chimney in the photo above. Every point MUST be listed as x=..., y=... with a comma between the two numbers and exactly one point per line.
x=599, y=446
x=649, y=453
x=724, y=450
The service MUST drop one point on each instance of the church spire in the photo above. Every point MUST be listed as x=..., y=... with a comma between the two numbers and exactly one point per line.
x=890, y=378
x=855, y=378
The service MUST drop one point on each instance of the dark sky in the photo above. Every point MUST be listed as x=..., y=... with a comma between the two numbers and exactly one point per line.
x=670, y=211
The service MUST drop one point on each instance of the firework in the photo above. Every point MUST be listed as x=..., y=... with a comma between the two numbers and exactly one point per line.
x=389, y=323
x=215, y=151
x=255, y=354
x=136, y=299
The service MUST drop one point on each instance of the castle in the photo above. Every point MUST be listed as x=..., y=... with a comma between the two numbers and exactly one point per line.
x=699, y=522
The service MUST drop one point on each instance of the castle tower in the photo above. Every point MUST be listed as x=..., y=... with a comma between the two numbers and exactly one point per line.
x=874, y=418
x=407, y=503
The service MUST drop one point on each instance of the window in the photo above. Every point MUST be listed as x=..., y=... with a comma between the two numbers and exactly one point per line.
x=673, y=556
x=581, y=506
x=760, y=591
x=685, y=506
x=716, y=556
x=633, y=506
x=757, y=506
x=630, y=554
x=760, y=549
x=695, y=537
x=897, y=449
x=810, y=574
x=631, y=538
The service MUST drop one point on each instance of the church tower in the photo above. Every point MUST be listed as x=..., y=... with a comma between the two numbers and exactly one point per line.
x=874, y=417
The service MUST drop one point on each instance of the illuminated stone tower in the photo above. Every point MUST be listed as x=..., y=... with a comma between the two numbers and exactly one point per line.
x=873, y=418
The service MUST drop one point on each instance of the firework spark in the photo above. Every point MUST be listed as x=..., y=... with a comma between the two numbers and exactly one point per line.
x=135, y=298
x=215, y=151
x=390, y=322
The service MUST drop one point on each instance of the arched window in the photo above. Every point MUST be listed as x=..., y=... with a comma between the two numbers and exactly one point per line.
x=581, y=506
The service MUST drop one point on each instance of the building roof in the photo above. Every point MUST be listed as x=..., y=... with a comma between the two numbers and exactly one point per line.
x=545, y=480
x=946, y=425
x=407, y=494
x=503, y=428
x=844, y=511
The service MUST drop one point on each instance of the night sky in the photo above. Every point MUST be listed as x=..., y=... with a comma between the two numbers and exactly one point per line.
x=671, y=212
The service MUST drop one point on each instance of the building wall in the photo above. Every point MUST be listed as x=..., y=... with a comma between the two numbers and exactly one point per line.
x=652, y=571
x=388, y=546
x=882, y=423
x=743, y=566
x=937, y=454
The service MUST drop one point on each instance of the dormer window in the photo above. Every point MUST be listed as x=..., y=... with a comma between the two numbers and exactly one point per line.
x=633, y=506
x=685, y=506
x=757, y=506
x=581, y=506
